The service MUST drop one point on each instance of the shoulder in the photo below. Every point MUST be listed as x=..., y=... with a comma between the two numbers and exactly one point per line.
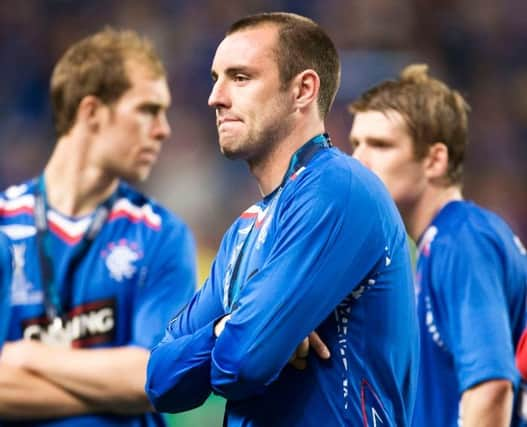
x=468, y=241
x=464, y=226
x=338, y=191
x=18, y=195
x=17, y=205
x=336, y=181
x=333, y=173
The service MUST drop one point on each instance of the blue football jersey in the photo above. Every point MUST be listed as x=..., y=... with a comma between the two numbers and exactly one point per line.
x=326, y=251
x=5, y=285
x=471, y=284
x=134, y=277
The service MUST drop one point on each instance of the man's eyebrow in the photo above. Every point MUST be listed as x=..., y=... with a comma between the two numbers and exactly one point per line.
x=231, y=71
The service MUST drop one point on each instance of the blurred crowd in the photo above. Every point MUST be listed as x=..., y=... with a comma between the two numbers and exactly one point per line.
x=478, y=46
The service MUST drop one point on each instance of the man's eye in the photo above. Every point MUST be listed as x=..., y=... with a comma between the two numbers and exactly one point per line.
x=379, y=144
x=240, y=78
x=150, y=109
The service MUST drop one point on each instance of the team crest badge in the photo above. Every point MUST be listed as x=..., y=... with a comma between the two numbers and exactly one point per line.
x=121, y=259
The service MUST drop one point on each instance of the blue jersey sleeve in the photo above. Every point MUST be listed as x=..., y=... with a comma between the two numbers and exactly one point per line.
x=473, y=310
x=6, y=269
x=169, y=284
x=327, y=238
x=178, y=373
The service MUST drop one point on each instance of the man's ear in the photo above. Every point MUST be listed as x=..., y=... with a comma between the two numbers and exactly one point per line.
x=306, y=86
x=90, y=112
x=436, y=161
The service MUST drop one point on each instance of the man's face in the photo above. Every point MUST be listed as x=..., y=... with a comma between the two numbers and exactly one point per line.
x=134, y=127
x=253, y=113
x=382, y=143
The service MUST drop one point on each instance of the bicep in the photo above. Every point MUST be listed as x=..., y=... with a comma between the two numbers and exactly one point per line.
x=470, y=296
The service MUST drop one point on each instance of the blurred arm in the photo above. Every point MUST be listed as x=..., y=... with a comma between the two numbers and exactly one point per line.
x=488, y=404
x=112, y=378
x=24, y=395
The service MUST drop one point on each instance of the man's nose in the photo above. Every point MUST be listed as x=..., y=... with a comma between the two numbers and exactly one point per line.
x=162, y=128
x=218, y=96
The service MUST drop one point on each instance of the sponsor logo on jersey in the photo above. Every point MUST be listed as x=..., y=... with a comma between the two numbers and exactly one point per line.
x=120, y=259
x=84, y=326
x=22, y=291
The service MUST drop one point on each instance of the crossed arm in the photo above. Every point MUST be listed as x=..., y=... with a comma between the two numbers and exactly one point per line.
x=238, y=357
x=40, y=381
x=299, y=358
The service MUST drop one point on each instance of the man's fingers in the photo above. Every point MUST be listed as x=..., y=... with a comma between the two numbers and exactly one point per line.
x=303, y=349
x=318, y=346
x=299, y=364
x=299, y=358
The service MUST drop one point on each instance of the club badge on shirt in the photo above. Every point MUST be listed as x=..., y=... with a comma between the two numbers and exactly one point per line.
x=120, y=259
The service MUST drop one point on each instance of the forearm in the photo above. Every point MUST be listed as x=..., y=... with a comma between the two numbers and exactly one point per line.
x=488, y=404
x=113, y=378
x=24, y=395
x=178, y=376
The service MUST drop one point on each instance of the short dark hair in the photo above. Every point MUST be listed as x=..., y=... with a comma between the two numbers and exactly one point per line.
x=302, y=45
x=432, y=111
x=97, y=65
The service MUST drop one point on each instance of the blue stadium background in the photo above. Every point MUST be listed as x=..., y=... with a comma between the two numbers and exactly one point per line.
x=479, y=46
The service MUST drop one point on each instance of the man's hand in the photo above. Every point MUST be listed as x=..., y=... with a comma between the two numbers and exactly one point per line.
x=299, y=358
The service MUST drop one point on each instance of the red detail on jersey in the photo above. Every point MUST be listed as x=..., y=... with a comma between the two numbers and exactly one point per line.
x=5, y=211
x=122, y=213
x=249, y=215
x=364, y=388
x=63, y=234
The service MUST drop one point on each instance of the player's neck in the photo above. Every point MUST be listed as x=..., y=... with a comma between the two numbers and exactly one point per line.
x=421, y=214
x=270, y=170
x=74, y=187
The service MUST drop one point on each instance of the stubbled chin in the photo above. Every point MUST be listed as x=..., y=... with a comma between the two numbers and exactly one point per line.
x=229, y=150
